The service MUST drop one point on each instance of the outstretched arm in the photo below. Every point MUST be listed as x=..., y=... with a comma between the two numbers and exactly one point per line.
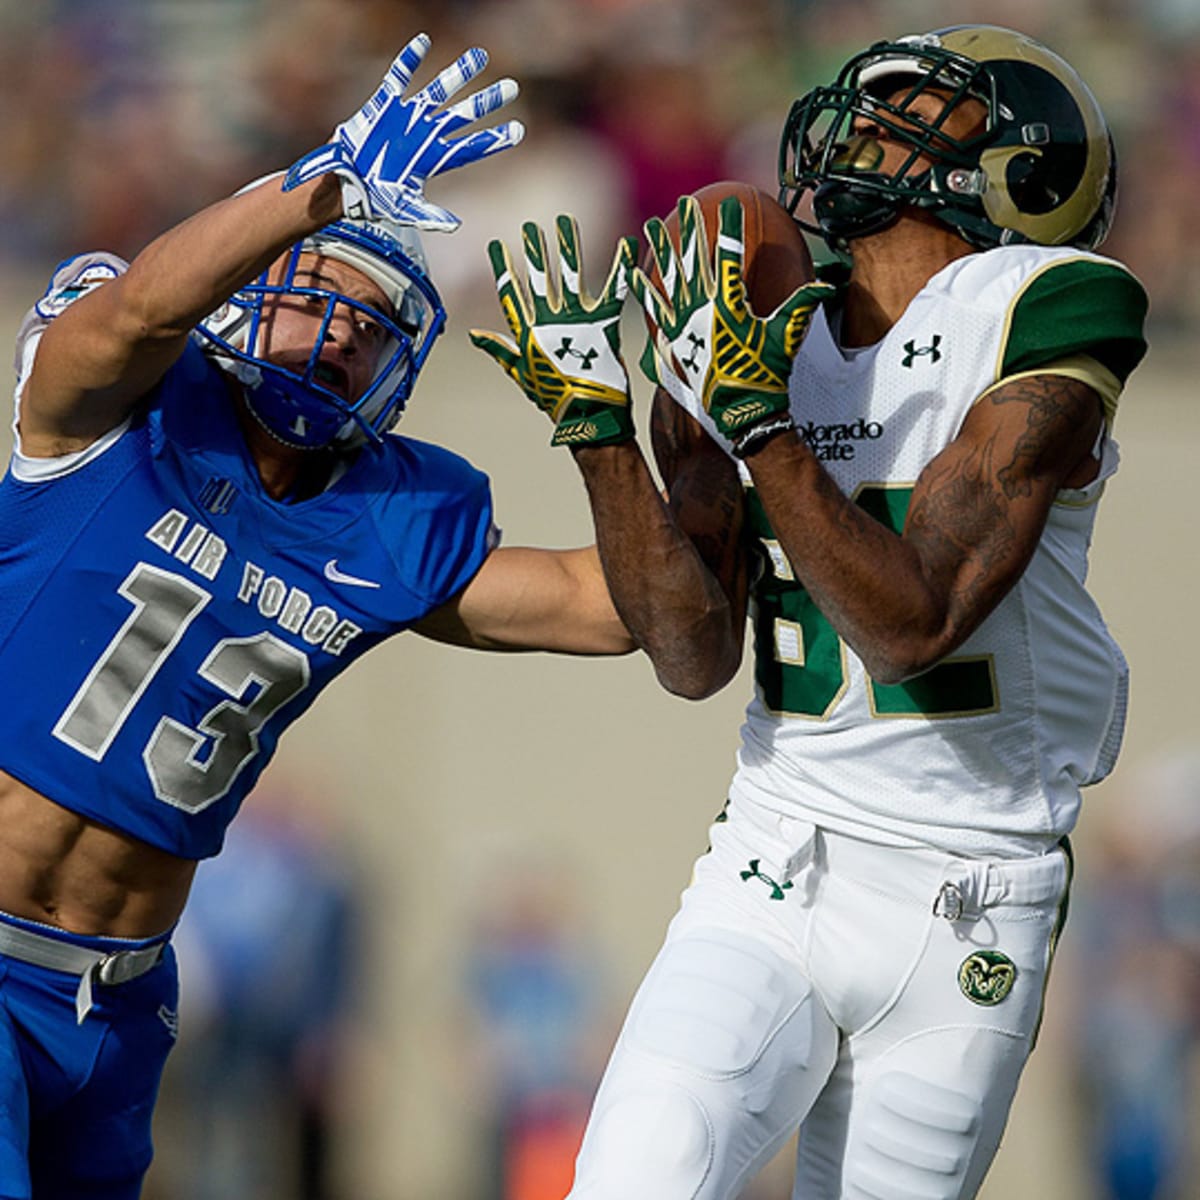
x=112, y=344
x=531, y=599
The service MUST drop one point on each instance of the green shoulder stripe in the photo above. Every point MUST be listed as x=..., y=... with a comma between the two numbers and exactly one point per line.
x=1077, y=306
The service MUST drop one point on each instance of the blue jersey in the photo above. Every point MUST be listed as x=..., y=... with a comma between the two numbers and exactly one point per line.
x=162, y=620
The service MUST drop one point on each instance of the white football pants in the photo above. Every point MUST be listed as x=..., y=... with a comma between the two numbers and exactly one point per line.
x=884, y=1000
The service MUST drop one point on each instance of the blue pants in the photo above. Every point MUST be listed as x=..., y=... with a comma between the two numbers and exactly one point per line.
x=76, y=1099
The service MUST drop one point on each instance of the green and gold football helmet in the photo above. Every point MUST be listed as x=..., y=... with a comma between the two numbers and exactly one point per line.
x=1042, y=169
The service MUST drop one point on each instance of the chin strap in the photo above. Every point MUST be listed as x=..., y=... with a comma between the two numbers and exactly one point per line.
x=845, y=211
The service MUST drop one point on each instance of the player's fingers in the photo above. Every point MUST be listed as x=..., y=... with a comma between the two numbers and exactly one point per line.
x=732, y=219
x=411, y=208
x=794, y=315
x=616, y=286
x=533, y=241
x=486, y=100
x=694, y=257
x=570, y=259
x=657, y=307
x=663, y=252
x=497, y=347
x=453, y=78
x=479, y=144
x=807, y=297
x=513, y=301
x=404, y=64
x=731, y=249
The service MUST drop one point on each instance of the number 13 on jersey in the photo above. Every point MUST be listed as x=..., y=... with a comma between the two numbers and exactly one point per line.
x=188, y=768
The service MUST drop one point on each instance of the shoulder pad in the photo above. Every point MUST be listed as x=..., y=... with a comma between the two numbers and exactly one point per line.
x=1080, y=304
x=75, y=277
x=72, y=278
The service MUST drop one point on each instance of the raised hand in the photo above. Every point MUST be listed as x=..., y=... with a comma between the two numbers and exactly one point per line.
x=567, y=351
x=706, y=334
x=387, y=150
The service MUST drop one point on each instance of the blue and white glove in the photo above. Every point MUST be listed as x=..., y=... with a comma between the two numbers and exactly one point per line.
x=386, y=151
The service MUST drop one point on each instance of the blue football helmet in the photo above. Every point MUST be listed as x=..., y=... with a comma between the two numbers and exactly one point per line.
x=1042, y=169
x=295, y=406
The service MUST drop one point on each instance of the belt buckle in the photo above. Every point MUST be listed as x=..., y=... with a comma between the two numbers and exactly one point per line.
x=949, y=902
x=109, y=970
x=121, y=966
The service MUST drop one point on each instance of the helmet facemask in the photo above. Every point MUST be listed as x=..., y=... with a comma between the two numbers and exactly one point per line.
x=300, y=405
x=1038, y=169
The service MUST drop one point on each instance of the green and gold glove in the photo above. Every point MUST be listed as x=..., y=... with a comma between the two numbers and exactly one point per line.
x=567, y=356
x=706, y=334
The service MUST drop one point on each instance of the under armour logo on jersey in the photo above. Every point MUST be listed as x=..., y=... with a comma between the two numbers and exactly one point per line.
x=585, y=357
x=912, y=351
x=753, y=872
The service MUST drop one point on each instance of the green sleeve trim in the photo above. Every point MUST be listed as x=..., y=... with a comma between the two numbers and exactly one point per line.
x=1077, y=306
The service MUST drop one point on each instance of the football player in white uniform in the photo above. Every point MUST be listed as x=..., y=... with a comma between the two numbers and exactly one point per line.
x=904, y=506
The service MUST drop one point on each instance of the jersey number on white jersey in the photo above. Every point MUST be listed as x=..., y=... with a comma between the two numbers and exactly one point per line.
x=800, y=661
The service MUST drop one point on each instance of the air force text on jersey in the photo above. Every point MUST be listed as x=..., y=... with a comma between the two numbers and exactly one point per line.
x=199, y=548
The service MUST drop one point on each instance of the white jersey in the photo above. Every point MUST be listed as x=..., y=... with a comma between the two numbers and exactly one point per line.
x=985, y=753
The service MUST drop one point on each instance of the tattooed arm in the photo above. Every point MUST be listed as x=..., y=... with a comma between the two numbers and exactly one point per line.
x=674, y=566
x=903, y=602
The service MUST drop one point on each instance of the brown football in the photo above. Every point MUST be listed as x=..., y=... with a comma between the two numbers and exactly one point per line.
x=776, y=259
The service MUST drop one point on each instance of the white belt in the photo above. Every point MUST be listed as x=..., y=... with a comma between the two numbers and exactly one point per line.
x=104, y=967
x=956, y=886
x=970, y=887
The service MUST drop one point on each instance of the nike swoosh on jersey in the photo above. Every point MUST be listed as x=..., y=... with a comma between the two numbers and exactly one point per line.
x=335, y=576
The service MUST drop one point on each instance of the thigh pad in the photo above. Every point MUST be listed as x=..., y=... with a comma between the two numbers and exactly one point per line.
x=713, y=1002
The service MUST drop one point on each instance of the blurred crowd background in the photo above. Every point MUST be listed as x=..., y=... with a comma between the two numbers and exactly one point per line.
x=403, y=978
x=118, y=117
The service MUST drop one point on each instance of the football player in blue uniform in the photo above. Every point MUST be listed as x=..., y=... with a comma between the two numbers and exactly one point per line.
x=205, y=520
x=897, y=478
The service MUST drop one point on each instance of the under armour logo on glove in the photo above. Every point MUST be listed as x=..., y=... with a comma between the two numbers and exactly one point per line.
x=586, y=358
x=386, y=151
x=707, y=336
x=693, y=360
x=567, y=351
